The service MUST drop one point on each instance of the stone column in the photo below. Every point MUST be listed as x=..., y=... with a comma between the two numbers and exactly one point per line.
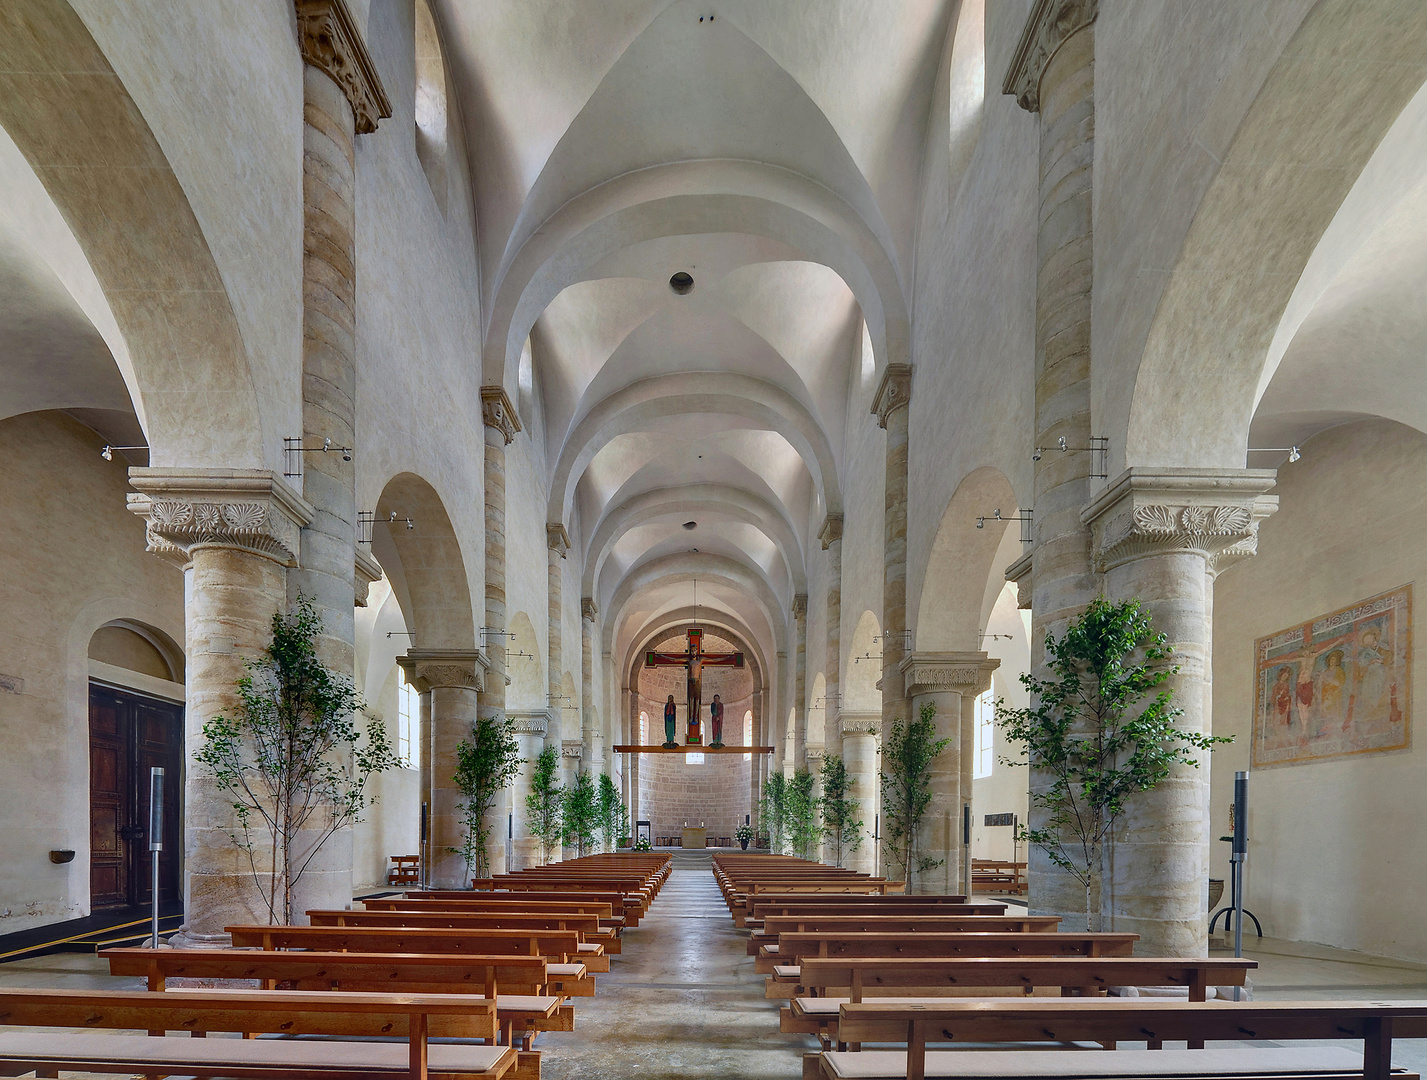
x=946, y=680
x=859, y=733
x=758, y=761
x=557, y=543
x=591, y=733
x=831, y=538
x=501, y=424
x=982, y=671
x=570, y=753
x=815, y=755
x=636, y=738
x=890, y=405
x=1053, y=73
x=530, y=729
x=235, y=533
x=1156, y=534
x=453, y=678
x=800, y=682
x=425, y=767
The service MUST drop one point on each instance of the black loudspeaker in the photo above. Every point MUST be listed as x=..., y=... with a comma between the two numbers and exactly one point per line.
x=423, y=823
x=966, y=823
x=1241, y=814
x=156, y=809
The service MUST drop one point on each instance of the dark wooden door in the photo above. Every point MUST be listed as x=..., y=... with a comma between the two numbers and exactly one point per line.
x=129, y=734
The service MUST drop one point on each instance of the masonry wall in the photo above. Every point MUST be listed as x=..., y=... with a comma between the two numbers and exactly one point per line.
x=673, y=790
x=1334, y=849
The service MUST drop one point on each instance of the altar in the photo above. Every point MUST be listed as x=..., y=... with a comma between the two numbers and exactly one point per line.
x=695, y=838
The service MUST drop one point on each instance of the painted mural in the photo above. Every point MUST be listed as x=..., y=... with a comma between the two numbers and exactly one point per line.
x=1337, y=685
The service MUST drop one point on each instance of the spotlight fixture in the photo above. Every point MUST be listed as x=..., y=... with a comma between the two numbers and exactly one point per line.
x=1023, y=515
x=108, y=452
x=682, y=283
x=1099, y=450
x=1293, y=452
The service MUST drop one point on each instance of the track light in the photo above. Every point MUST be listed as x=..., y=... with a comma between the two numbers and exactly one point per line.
x=1293, y=452
x=108, y=452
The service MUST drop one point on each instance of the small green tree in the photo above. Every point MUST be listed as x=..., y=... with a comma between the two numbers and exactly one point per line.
x=772, y=809
x=1100, y=728
x=612, y=814
x=841, y=824
x=544, y=802
x=486, y=763
x=907, y=755
x=290, y=757
x=801, y=814
x=580, y=813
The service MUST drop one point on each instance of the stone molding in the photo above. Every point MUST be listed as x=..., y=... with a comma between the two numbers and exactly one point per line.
x=1022, y=573
x=800, y=606
x=1210, y=512
x=815, y=754
x=556, y=538
x=329, y=40
x=497, y=412
x=368, y=571
x=893, y=393
x=529, y=723
x=252, y=510
x=859, y=723
x=588, y=610
x=831, y=532
x=429, y=669
x=957, y=672
x=1051, y=24
x=572, y=749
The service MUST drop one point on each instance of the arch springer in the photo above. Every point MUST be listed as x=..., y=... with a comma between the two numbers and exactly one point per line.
x=893, y=393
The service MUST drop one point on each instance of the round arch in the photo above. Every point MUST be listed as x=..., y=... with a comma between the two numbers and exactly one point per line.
x=860, y=676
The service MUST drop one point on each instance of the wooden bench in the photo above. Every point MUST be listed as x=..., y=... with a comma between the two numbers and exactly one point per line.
x=1123, y=1020
x=999, y=876
x=835, y=921
x=586, y=926
x=628, y=908
x=793, y=949
x=410, y=1017
x=798, y=903
x=405, y=870
x=603, y=910
x=814, y=1010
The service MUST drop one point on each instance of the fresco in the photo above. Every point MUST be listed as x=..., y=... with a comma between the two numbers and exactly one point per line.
x=1337, y=685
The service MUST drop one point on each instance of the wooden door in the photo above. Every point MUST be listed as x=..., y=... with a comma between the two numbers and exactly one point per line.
x=128, y=734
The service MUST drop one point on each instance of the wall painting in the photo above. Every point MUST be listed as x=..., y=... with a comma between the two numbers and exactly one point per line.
x=1338, y=685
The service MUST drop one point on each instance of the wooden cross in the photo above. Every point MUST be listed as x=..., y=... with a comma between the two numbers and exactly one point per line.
x=693, y=659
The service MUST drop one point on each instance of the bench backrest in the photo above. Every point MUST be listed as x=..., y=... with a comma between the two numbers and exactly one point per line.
x=793, y=948
x=557, y=945
x=461, y=920
x=910, y=924
x=599, y=909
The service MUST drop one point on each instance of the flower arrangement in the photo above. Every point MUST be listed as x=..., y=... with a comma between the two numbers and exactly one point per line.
x=743, y=834
x=642, y=844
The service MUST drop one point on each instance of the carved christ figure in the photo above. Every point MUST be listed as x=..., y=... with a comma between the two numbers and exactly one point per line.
x=693, y=660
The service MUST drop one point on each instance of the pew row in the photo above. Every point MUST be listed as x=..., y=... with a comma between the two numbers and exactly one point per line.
x=765, y=942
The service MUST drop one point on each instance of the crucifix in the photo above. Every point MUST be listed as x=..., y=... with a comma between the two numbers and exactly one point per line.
x=693, y=659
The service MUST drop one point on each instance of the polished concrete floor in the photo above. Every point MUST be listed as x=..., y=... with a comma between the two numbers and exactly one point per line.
x=683, y=1000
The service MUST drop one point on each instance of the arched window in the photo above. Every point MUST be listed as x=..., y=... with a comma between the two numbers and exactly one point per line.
x=431, y=103
x=408, y=719
x=525, y=382
x=985, y=736
x=643, y=727
x=748, y=733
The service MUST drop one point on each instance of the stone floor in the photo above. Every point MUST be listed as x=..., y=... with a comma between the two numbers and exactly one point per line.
x=683, y=1000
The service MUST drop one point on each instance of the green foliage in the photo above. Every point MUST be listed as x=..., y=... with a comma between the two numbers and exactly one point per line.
x=841, y=824
x=1100, y=729
x=290, y=758
x=642, y=844
x=545, y=801
x=801, y=815
x=772, y=809
x=907, y=755
x=580, y=810
x=743, y=834
x=486, y=763
x=611, y=813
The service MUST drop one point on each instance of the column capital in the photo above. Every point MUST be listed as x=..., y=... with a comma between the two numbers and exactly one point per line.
x=251, y=510
x=800, y=606
x=859, y=723
x=1022, y=572
x=815, y=756
x=429, y=669
x=329, y=40
x=368, y=572
x=556, y=538
x=831, y=532
x=1050, y=25
x=497, y=412
x=529, y=722
x=1211, y=512
x=588, y=610
x=572, y=749
x=893, y=393
x=955, y=672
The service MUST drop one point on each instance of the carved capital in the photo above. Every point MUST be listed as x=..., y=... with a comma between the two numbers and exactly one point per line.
x=958, y=672
x=831, y=532
x=1214, y=513
x=556, y=538
x=430, y=669
x=247, y=509
x=497, y=412
x=588, y=611
x=815, y=756
x=859, y=723
x=368, y=572
x=572, y=749
x=1051, y=24
x=894, y=392
x=529, y=723
x=329, y=41
x=800, y=606
x=1022, y=573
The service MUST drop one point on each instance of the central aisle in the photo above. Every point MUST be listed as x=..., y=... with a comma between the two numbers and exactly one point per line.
x=682, y=1000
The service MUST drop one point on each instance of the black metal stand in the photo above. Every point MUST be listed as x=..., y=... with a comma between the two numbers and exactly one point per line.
x=1233, y=906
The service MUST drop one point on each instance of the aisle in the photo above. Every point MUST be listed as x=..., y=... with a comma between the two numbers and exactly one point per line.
x=682, y=1000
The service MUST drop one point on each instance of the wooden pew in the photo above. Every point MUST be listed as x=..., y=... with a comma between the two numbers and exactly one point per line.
x=557, y=946
x=628, y=908
x=591, y=934
x=765, y=944
x=793, y=949
x=410, y=1017
x=1126, y=1020
x=999, y=876
x=815, y=1009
